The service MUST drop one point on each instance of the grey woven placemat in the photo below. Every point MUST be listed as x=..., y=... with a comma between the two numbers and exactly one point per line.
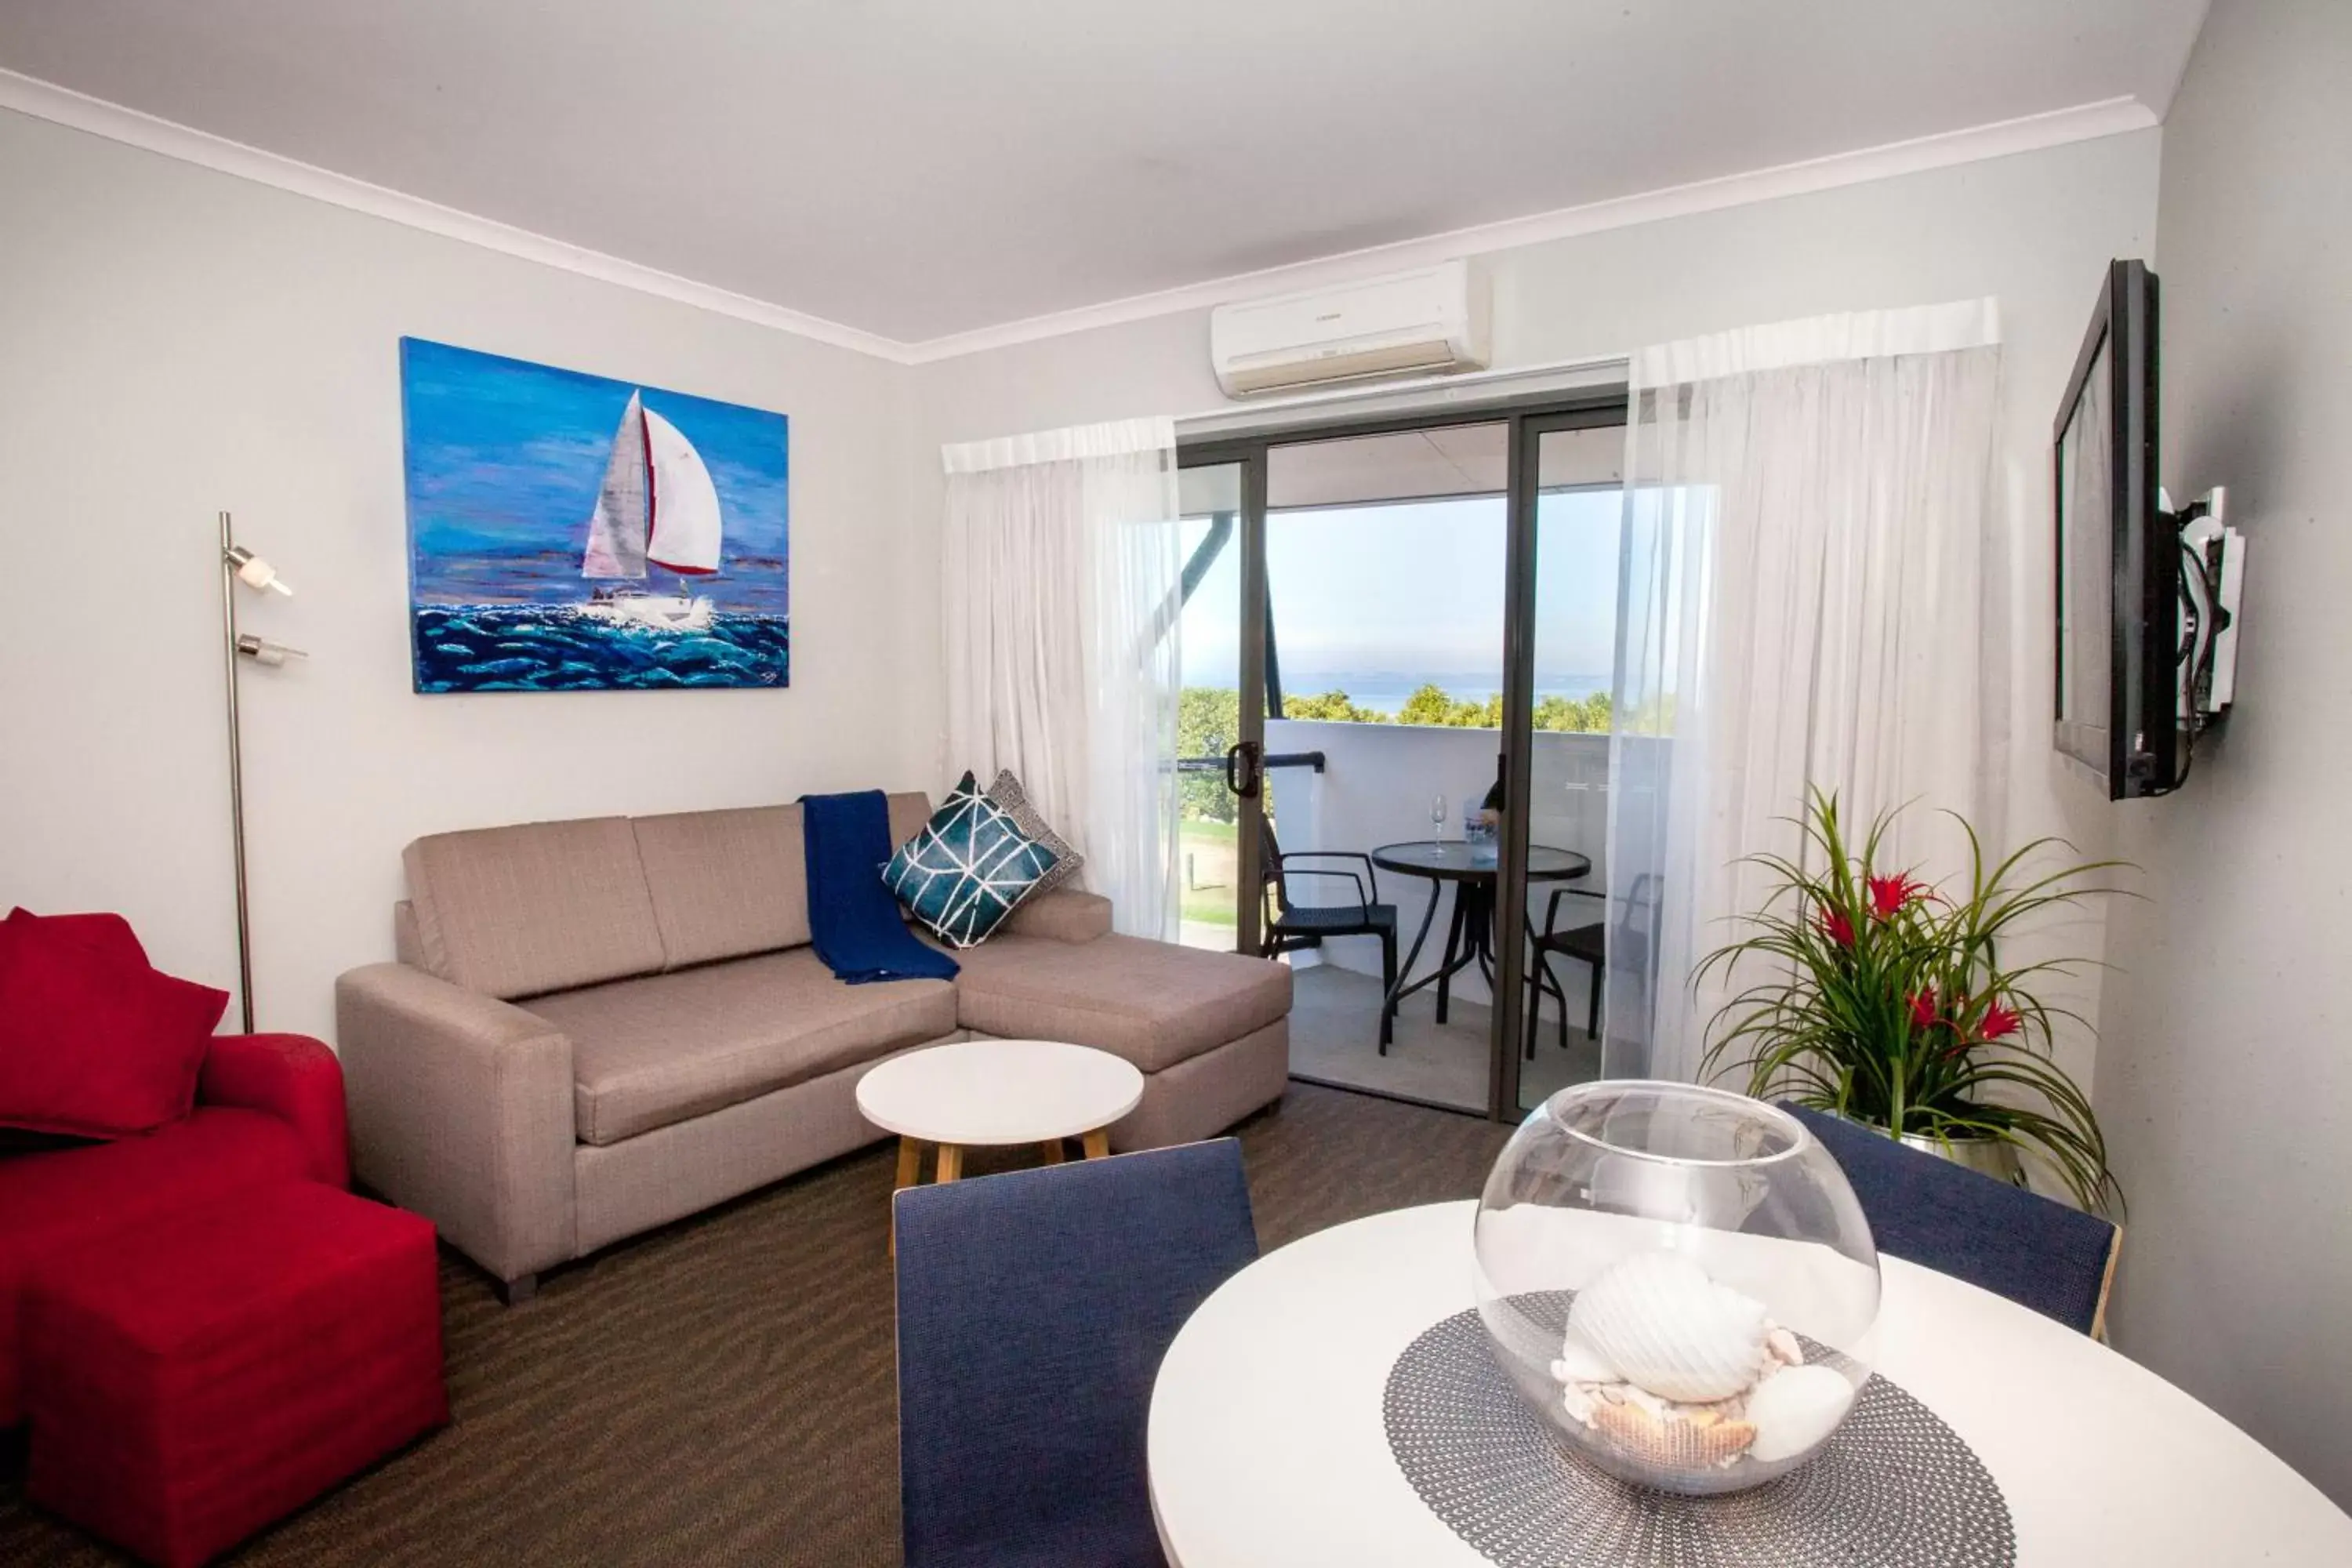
x=1894, y=1488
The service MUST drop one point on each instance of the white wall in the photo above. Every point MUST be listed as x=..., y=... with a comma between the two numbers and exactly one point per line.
x=2226, y=1080
x=2035, y=231
x=173, y=341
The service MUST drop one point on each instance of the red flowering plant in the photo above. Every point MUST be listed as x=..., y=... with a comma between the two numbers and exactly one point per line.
x=1883, y=999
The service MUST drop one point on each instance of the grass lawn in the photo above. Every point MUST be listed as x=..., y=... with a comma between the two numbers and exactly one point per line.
x=1206, y=861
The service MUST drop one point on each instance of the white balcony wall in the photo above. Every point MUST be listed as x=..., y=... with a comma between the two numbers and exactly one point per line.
x=1376, y=788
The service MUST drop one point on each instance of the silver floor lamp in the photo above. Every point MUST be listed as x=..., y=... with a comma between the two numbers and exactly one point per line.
x=239, y=564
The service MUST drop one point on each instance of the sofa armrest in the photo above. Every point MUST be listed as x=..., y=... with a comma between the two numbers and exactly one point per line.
x=293, y=1077
x=461, y=1110
x=1065, y=914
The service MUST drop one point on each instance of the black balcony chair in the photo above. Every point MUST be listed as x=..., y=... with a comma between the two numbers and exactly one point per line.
x=1589, y=944
x=1291, y=926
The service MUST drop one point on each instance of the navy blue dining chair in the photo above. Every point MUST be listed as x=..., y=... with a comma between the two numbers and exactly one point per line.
x=1034, y=1311
x=2036, y=1252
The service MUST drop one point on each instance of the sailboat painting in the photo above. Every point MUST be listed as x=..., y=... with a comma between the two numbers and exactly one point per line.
x=568, y=532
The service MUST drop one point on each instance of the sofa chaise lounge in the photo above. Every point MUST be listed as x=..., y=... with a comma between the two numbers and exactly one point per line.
x=597, y=1026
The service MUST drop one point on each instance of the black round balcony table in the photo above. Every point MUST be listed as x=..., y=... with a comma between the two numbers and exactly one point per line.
x=1470, y=935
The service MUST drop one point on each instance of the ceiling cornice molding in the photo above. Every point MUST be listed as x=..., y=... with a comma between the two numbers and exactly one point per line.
x=46, y=100
x=63, y=106
x=2030, y=133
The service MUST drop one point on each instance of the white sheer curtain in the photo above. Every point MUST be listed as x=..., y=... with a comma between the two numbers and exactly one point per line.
x=1061, y=556
x=1802, y=605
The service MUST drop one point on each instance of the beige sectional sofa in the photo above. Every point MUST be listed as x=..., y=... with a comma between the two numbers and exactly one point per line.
x=598, y=1026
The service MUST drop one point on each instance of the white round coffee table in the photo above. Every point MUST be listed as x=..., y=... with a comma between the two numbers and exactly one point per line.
x=995, y=1092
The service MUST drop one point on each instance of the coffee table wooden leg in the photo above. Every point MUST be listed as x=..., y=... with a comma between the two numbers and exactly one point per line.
x=1053, y=1150
x=910, y=1171
x=1098, y=1144
x=951, y=1162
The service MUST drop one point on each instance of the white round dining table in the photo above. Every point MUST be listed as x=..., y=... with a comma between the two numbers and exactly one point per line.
x=1267, y=1443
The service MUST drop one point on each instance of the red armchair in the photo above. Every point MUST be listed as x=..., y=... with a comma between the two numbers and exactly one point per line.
x=269, y=1109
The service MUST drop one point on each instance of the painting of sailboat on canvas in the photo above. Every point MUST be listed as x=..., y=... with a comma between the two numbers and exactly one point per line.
x=568, y=532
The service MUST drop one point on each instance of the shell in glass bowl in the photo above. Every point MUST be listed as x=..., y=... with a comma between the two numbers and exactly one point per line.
x=1679, y=1281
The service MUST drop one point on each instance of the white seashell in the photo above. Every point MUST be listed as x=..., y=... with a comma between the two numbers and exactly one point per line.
x=1578, y=1403
x=1580, y=1363
x=1795, y=1409
x=1662, y=1323
x=1784, y=1347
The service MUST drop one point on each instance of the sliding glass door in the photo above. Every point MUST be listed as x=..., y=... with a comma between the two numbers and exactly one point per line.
x=1579, y=508
x=1371, y=646
x=1385, y=588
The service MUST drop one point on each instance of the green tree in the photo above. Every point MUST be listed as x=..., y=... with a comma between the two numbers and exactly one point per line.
x=1331, y=705
x=1571, y=715
x=1208, y=721
x=1429, y=705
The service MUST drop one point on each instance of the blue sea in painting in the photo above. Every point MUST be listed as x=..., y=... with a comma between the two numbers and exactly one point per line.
x=516, y=476
x=500, y=647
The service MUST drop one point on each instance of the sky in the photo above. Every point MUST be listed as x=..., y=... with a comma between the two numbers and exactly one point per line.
x=1393, y=596
x=504, y=457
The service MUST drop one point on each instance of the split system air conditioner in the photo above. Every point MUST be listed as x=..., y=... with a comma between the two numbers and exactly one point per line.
x=1430, y=320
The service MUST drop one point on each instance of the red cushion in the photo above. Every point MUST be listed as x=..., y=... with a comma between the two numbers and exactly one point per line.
x=191, y=1380
x=93, y=1042
x=110, y=934
x=54, y=1202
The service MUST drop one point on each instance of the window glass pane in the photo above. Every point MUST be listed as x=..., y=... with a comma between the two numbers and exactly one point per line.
x=1385, y=580
x=1579, y=518
x=1384, y=568
x=1208, y=713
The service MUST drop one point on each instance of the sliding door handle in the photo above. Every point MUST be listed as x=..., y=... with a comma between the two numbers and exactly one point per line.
x=1244, y=773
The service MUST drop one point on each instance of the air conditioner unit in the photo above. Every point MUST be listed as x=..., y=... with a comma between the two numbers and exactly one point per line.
x=1426, y=321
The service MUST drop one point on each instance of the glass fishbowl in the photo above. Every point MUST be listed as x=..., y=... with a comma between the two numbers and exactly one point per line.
x=1679, y=1281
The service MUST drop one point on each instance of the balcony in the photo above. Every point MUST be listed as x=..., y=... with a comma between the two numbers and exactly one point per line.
x=1377, y=785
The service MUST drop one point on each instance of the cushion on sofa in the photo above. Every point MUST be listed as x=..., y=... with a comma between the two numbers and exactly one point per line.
x=725, y=883
x=103, y=931
x=729, y=883
x=967, y=869
x=544, y=906
x=94, y=1043
x=49, y=1202
x=663, y=1048
x=1151, y=1002
x=1010, y=793
x=1066, y=914
x=909, y=809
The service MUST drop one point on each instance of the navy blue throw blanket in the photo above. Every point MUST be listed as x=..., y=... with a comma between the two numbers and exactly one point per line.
x=853, y=920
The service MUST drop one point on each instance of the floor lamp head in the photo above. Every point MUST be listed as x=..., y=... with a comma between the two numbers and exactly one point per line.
x=261, y=650
x=254, y=571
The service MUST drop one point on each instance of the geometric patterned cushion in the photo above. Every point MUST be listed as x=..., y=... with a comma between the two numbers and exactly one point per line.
x=1007, y=793
x=969, y=867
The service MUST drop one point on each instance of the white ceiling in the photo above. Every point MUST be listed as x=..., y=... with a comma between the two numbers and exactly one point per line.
x=920, y=168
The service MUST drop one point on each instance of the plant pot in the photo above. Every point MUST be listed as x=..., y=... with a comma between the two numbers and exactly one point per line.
x=1992, y=1157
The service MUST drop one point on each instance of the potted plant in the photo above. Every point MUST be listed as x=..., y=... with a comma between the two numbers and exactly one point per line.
x=1886, y=1003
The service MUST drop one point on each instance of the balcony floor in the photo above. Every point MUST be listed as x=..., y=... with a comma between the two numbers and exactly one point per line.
x=1335, y=1037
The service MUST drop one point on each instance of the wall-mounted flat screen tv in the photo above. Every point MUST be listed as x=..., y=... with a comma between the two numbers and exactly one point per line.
x=2119, y=561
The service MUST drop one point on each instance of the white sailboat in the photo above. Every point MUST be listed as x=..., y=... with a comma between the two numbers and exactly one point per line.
x=658, y=507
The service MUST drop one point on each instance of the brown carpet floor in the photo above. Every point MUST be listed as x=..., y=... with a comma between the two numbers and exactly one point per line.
x=722, y=1391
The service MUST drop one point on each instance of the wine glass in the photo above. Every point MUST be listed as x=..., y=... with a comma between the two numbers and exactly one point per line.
x=1437, y=819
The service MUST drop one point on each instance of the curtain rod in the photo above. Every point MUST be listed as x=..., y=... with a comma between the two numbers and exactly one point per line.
x=1454, y=388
